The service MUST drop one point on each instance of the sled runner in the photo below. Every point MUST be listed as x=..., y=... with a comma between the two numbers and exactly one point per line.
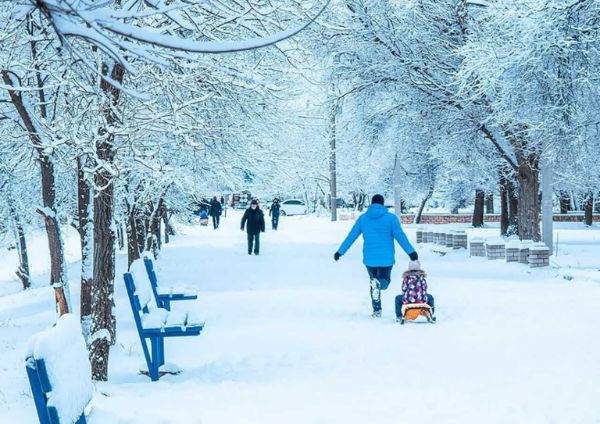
x=204, y=222
x=412, y=311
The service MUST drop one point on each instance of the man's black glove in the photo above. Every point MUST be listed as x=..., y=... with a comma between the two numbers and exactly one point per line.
x=413, y=256
x=337, y=256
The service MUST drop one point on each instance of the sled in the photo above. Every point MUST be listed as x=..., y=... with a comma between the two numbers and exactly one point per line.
x=204, y=221
x=412, y=311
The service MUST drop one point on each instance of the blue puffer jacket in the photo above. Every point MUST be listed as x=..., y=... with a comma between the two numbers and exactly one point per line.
x=379, y=229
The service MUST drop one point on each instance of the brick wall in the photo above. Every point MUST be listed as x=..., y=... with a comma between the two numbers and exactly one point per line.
x=466, y=218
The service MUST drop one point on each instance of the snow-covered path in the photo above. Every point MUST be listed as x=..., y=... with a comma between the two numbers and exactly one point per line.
x=289, y=338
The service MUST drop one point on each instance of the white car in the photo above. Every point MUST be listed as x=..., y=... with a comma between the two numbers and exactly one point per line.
x=293, y=207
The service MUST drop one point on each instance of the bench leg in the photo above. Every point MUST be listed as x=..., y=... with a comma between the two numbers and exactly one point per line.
x=162, y=351
x=38, y=395
x=157, y=346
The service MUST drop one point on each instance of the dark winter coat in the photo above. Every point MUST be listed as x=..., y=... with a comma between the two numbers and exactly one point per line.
x=274, y=211
x=253, y=220
x=215, y=208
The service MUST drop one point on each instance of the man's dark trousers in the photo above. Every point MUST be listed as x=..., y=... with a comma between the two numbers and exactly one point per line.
x=384, y=275
x=254, y=240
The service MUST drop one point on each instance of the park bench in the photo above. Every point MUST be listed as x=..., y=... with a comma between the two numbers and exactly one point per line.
x=155, y=324
x=59, y=372
x=163, y=295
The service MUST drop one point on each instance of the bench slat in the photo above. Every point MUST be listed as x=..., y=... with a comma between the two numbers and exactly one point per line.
x=164, y=294
x=190, y=330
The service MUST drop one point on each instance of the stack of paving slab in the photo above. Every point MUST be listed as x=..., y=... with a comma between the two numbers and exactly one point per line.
x=450, y=239
x=495, y=249
x=539, y=255
x=524, y=251
x=459, y=239
x=477, y=247
x=513, y=249
x=442, y=240
x=428, y=237
x=419, y=235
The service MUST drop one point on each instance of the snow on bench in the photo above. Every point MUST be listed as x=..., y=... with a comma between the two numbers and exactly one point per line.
x=155, y=324
x=145, y=276
x=59, y=372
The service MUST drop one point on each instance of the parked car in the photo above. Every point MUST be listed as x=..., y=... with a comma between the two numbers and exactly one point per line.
x=293, y=207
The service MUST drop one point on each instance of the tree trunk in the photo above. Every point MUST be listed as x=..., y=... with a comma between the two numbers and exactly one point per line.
x=565, y=202
x=332, y=163
x=140, y=226
x=575, y=204
x=504, y=222
x=86, y=237
x=58, y=277
x=513, y=209
x=397, y=179
x=23, y=269
x=529, y=201
x=166, y=224
x=588, y=207
x=148, y=226
x=155, y=219
x=133, y=250
x=489, y=203
x=103, y=331
x=478, y=209
x=120, y=236
x=422, y=206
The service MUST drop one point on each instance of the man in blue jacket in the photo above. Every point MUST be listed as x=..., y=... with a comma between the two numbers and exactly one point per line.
x=379, y=228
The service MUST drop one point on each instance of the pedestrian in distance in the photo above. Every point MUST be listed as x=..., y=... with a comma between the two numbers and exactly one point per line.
x=215, y=211
x=223, y=206
x=274, y=213
x=379, y=229
x=254, y=222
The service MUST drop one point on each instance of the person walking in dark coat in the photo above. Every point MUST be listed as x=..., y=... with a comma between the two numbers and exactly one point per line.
x=254, y=221
x=215, y=211
x=379, y=229
x=274, y=213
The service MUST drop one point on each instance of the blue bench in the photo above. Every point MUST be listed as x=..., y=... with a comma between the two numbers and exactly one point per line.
x=164, y=296
x=62, y=350
x=41, y=388
x=156, y=324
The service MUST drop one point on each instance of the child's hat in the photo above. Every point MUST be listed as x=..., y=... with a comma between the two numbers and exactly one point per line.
x=414, y=266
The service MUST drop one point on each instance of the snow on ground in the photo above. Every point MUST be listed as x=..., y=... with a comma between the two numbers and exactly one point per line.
x=289, y=337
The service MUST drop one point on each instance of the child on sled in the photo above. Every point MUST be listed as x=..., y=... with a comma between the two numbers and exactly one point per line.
x=414, y=290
